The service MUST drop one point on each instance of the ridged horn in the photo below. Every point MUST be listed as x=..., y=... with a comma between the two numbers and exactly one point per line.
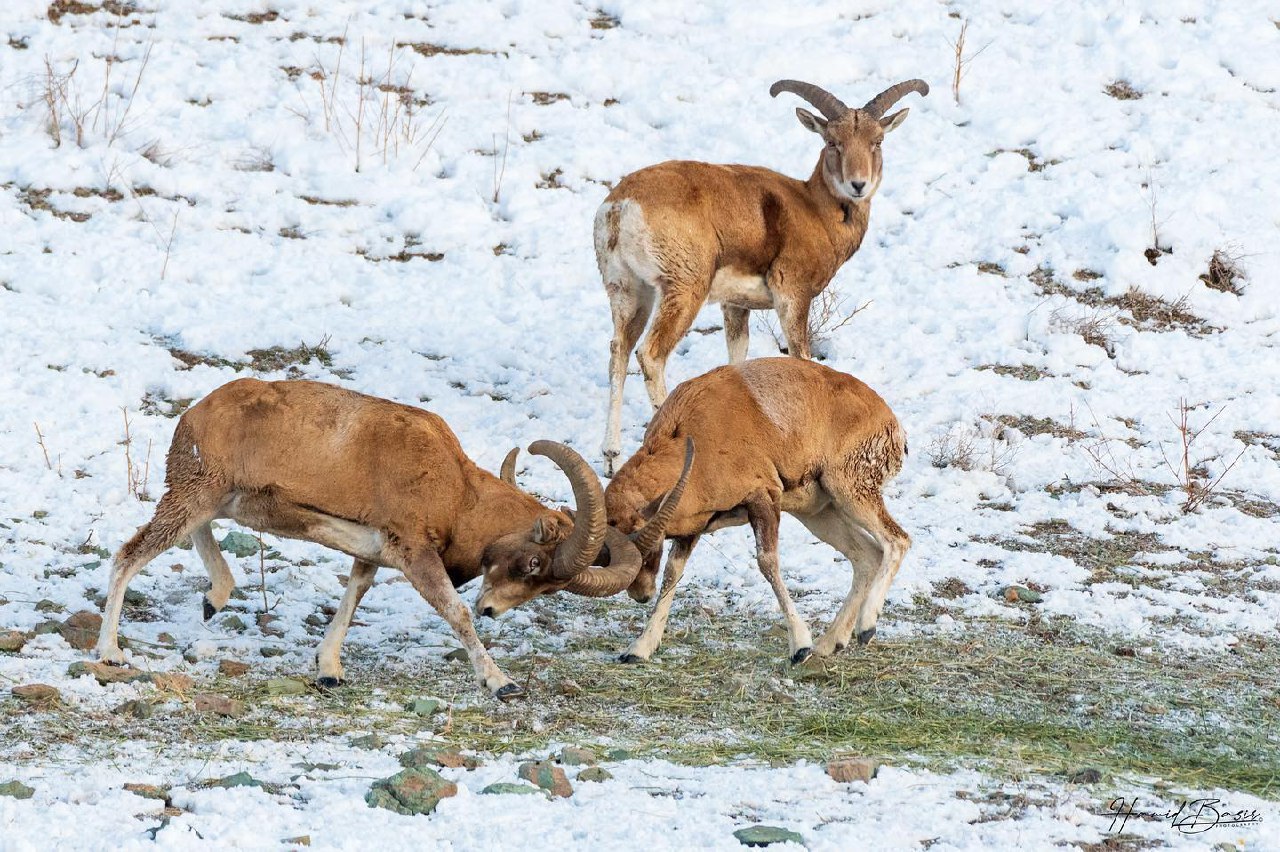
x=825, y=102
x=651, y=534
x=879, y=105
x=509, y=466
x=576, y=552
x=602, y=581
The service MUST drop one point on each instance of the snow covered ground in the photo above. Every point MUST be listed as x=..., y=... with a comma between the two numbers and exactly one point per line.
x=196, y=191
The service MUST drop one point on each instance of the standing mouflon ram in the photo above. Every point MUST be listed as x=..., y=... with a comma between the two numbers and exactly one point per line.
x=773, y=435
x=684, y=233
x=385, y=483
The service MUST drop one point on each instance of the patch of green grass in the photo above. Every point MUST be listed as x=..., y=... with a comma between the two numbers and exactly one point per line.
x=1044, y=698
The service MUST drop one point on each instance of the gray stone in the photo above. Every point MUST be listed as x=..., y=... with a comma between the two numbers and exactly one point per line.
x=411, y=791
x=548, y=776
x=240, y=779
x=437, y=755
x=286, y=686
x=504, y=787
x=239, y=544
x=17, y=790
x=766, y=835
x=575, y=756
x=594, y=774
x=424, y=706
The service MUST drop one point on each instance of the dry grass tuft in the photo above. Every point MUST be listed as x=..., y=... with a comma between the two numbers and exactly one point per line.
x=1224, y=273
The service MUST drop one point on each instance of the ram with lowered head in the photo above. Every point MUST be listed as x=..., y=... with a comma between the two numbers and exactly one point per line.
x=385, y=483
x=773, y=435
x=680, y=234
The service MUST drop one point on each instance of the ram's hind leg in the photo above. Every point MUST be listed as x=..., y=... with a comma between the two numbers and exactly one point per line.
x=178, y=514
x=838, y=529
x=329, y=654
x=737, y=332
x=677, y=308
x=631, y=302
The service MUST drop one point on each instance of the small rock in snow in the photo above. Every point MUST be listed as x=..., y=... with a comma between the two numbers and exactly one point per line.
x=575, y=756
x=105, y=674
x=17, y=790
x=411, y=791
x=81, y=629
x=594, y=773
x=286, y=686
x=232, y=668
x=766, y=835
x=1013, y=594
x=11, y=641
x=1088, y=775
x=437, y=755
x=137, y=708
x=502, y=787
x=150, y=791
x=548, y=776
x=850, y=769
x=38, y=694
x=457, y=655
x=425, y=706
x=239, y=544
x=220, y=704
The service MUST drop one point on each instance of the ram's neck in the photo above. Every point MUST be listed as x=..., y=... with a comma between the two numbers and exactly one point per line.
x=846, y=221
x=490, y=510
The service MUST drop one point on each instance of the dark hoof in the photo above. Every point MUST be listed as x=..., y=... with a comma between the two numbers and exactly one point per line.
x=508, y=692
x=866, y=636
x=839, y=647
x=631, y=658
x=800, y=656
x=330, y=682
x=209, y=611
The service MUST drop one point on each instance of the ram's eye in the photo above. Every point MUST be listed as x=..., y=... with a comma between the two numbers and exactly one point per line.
x=534, y=563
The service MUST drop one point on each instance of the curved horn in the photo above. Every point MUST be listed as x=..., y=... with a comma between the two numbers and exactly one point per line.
x=825, y=102
x=651, y=534
x=509, y=466
x=878, y=105
x=576, y=552
x=604, y=581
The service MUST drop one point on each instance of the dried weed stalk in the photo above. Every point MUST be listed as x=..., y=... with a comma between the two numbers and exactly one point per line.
x=1191, y=477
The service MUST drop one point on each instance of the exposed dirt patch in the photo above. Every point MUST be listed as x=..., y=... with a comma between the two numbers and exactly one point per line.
x=1122, y=90
x=1034, y=163
x=1022, y=372
x=547, y=98
x=602, y=20
x=255, y=17
x=1140, y=310
x=1029, y=425
x=428, y=49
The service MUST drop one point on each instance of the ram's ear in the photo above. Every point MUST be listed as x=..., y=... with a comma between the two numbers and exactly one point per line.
x=812, y=122
x=890, y=122
x=550, y=529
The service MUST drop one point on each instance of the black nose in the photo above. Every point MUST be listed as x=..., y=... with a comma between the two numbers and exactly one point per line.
x=858, y=185
x=487, y=612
